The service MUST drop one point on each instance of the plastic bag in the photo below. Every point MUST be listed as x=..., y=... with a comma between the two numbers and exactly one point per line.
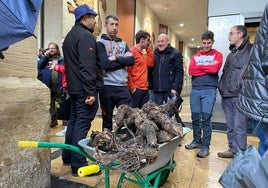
x=242, y=164
x=249, y=164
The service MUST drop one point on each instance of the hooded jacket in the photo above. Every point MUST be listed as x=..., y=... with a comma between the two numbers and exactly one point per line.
x=253, y=99
x=234, y=69
x=114, y=72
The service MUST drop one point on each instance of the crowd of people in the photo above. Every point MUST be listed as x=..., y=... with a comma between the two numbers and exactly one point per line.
x=108, y=72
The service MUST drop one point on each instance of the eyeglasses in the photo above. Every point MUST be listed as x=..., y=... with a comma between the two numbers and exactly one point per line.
x=52, y=48
x=231, y=33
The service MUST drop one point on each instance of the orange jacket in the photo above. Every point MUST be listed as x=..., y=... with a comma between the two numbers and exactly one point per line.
x=138, y=73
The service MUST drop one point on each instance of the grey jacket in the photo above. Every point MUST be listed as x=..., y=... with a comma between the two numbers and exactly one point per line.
x=253, y=99
x=234, y=69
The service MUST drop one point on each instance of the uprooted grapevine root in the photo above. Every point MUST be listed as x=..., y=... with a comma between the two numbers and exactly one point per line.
x=143, y=129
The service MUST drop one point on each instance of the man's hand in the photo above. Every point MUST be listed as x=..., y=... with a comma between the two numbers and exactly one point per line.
x=51, y=65
x=173, y=91
x=112, y=58
x=128, y=54
x=90, y=100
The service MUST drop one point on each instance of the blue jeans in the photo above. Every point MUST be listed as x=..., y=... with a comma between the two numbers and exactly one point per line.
x=78, y=127
x=202, y=103
x=236, y=123
x=261, y=130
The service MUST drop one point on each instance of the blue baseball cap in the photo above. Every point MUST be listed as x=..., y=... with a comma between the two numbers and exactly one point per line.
x=83, y=10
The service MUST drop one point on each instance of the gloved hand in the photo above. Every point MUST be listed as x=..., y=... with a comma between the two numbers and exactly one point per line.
x=178, y=100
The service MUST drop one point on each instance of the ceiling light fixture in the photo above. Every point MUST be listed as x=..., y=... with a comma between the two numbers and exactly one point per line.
x=181, y=24
x=192, y=39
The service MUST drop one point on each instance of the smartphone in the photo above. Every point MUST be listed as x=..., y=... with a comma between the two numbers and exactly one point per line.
x=69, y=3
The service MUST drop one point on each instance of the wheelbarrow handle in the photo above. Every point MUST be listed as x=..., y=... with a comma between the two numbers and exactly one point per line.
x=36, y=144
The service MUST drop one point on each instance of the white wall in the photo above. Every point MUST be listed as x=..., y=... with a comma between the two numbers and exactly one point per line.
x=228, y=7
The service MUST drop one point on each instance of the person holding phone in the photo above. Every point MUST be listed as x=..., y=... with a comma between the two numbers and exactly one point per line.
x=51, y=78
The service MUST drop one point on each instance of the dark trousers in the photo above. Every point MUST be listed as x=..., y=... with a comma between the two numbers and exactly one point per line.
x=236, y=123
x=78, y=127
x=53, y=99
x=139, y=98
x=160, y=97
x=111, y=97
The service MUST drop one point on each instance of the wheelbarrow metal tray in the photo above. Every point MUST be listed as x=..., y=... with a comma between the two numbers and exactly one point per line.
x=165, y=153
x=84, y=143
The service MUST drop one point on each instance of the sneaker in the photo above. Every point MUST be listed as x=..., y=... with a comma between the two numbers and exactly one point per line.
x=53, y=123
x=192, y=145
x=202, y=153
x=62, y=132
x=226, y=154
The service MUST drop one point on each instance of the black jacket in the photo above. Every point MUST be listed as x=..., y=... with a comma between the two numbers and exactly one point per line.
x=83, y=71
x=167, y=72
x=234, y=69
x=253, y=99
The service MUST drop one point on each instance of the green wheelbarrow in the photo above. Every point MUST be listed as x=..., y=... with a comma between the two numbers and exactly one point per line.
x=151, y=176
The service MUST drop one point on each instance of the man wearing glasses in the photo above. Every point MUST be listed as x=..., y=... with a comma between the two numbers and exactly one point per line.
x=230, y=86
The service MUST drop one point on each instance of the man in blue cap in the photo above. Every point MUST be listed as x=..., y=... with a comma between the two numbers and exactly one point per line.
x=84, y=78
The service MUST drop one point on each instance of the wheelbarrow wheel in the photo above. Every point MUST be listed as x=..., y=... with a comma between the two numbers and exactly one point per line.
x=163, y=177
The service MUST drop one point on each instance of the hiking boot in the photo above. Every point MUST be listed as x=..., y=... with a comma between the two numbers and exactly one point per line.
x=226, y=154
x=192, y=145
x=202, y=153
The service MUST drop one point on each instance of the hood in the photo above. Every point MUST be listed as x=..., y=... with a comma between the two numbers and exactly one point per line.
x=105, y=37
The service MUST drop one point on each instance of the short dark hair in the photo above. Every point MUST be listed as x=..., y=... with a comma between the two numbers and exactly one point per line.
x=208, y=35
x=110, y=16
x=141, y=34
x=242, y=29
